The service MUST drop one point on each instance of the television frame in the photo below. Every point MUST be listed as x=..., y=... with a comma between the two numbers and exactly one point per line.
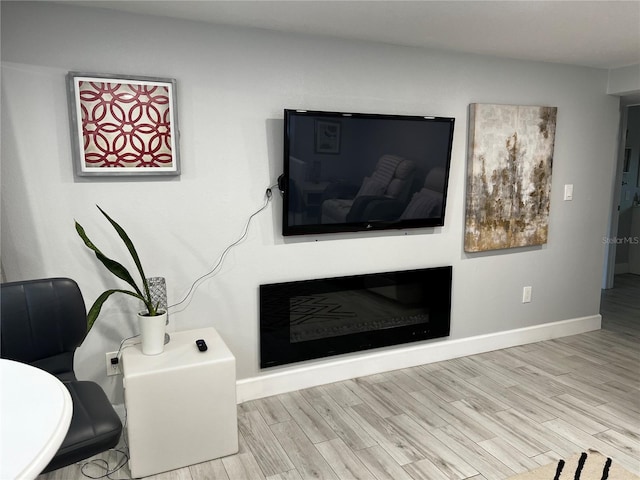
x=331, y=149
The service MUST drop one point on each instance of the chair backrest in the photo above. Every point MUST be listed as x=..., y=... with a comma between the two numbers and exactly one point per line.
x=392, y=177
x=435, y=179
x=385, y=169
x=42, y=322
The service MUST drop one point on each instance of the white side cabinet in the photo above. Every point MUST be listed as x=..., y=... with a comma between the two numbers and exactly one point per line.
x=181, y=404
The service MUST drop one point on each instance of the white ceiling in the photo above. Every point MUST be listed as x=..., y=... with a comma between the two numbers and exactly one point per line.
x=601, y=34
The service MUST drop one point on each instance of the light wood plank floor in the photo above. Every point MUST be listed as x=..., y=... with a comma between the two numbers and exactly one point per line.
x=482, y=417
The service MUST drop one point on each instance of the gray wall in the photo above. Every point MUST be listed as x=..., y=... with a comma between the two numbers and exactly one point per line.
x=232, y=87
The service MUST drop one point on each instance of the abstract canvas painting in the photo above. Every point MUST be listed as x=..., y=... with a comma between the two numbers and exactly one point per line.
x=508, y=176
x=123, y=125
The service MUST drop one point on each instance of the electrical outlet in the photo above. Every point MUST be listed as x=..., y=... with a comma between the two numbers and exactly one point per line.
x=526, y=295
x=111, y=368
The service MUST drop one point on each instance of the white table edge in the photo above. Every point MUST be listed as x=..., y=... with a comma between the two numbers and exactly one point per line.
x=48, y=450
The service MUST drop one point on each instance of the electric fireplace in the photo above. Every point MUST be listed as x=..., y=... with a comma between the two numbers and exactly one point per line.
x=330, y=316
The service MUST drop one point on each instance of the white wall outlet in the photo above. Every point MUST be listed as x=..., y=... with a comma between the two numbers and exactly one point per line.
x=526, y=295
x=111, y=368
x=568, y=191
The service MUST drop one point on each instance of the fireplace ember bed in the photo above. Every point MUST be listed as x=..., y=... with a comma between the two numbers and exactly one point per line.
x=318, y=318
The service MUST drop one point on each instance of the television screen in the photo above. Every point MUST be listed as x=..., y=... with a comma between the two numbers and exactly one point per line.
x=346, y=172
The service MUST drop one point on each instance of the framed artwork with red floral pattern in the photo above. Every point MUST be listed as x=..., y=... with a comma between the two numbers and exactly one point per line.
x=123, y=125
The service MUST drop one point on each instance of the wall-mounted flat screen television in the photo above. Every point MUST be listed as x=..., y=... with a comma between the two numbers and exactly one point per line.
x=347, y=172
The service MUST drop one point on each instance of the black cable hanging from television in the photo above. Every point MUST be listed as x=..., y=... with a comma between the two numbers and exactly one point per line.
x=196, y=282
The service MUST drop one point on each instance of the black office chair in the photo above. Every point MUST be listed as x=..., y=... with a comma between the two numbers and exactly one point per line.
x=42, y=322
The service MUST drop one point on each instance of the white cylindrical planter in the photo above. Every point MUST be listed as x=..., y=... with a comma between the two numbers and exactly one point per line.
x=152, y=333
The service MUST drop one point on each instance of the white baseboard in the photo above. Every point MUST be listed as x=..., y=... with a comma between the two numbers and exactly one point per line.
x=369, y=363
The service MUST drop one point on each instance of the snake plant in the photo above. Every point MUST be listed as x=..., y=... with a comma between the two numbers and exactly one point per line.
x=119, y=271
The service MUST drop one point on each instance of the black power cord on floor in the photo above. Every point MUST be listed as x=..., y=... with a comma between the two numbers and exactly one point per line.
x=102, y=464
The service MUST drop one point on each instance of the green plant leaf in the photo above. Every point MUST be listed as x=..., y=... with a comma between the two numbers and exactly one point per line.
x=114, y=267
x=119, y=271
x=94, y=311
x=134, y=254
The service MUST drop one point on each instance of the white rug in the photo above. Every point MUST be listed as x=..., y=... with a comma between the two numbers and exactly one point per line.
x=590, y=465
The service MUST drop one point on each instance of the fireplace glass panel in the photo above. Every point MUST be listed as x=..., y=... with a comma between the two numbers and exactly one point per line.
x=333, y=314
x=318, y=318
